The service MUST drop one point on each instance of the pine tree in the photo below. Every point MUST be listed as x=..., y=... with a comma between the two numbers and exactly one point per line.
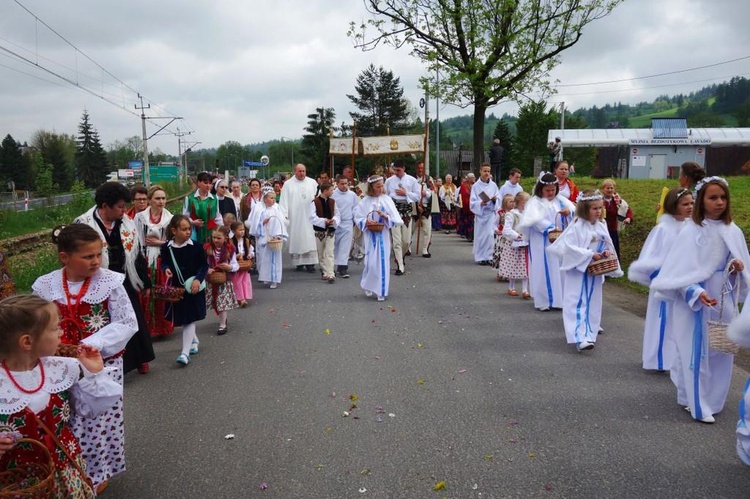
x=90, y=159
x=316, y=143
x=380, y=98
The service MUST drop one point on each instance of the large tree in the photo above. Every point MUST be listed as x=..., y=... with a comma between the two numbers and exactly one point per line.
x=13, y=165
x=316, y=142
x=59, y=151
x=91, y=160
x=380, y=100
x=487, y=51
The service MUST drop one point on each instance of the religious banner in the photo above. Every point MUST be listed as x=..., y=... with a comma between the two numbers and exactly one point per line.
x=393, y=144
x=342, y=146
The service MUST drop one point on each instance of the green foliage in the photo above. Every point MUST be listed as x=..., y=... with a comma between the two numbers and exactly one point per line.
x=502, y=132
x=90, y=158
x=57, y=150
x=383, y=110
x=485, y=52
x=27, y=267
x=45, y=184
x=532, y=126
x=316, y=142
x=13, y=165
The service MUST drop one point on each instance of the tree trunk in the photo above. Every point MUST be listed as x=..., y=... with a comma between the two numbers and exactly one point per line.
x=478, y=146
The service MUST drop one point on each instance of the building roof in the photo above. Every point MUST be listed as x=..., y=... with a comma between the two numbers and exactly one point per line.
x=609, y=137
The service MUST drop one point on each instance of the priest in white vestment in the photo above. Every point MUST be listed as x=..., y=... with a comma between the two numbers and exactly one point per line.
x=484, y=203
x=296, y=195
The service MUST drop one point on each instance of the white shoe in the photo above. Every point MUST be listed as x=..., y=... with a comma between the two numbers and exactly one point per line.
x=381, y=298
x=742, y=454
x=707, y=420
x=273, y=285
x=368, y=293
x=584, y=345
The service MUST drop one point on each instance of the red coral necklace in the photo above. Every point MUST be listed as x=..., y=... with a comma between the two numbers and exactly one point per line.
x=72, y=312
x=18, y=385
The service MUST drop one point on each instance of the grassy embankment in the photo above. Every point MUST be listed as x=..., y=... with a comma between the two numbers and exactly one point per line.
x=26, y=267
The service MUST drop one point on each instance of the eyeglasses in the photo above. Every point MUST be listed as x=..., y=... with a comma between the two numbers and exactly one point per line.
x=223, y=187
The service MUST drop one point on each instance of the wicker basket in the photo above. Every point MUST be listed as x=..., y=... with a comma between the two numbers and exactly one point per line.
x=217, y=277
x=167, y=292
x=275, y=243
x=717, y=330
x=553, y=234
x=245, y=265
x=29, y=480
x=373, y=225
x=603, y=266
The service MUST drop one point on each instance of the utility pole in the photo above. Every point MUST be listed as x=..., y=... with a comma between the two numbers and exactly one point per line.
x=426, y=134
x=183, y=167
x=146, y=172
x=437, y=128
x=562, y=115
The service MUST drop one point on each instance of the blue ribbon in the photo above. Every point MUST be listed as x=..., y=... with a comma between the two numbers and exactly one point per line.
x=662, y=330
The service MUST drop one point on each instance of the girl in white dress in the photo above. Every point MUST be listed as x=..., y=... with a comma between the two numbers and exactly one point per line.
x=514, y=260
x=586, y=240
x=545, y=211
x=708, y=258
x=376, y=207
x=658, y=345
x=265, y=223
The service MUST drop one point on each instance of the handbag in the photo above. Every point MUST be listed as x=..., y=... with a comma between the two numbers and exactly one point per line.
x=187, y=283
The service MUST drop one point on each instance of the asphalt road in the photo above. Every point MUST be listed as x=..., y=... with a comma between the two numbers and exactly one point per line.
x=454, y=381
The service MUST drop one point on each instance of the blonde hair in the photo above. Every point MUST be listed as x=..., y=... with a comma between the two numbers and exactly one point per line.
x=19, y=315
x=153, y=189
x=608, y=181
x=521, y=197
x=508, y=201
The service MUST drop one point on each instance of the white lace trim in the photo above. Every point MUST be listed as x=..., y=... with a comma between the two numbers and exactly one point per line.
x=50, y=287
x=60, y=374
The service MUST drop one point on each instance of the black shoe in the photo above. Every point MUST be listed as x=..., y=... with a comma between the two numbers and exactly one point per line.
x=222, y=331
x=408, y=253
x=399, y=272
x=311, y=268
x=300, y=268
x=426, y=255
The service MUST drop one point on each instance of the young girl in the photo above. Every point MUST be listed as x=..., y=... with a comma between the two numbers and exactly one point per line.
x=221, y=258
x=706, y=261
x=268, y=222
x=585, y=240
x=739, y=332
x=38, y=390
x=243, y=287
x=184, y=261
x=96, y=311
x=514, y=263
x=658, y=345
x=376, y=207
x=616, y=212
x=543, y=212
x=507, y=204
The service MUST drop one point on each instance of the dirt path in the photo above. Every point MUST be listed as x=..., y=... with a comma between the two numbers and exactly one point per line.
x=635, y=303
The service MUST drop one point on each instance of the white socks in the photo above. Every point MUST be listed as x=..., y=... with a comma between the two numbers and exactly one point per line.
x=188, y=336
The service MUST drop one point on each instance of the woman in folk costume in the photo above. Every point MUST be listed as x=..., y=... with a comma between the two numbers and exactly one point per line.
x=707, y=261
x=658, y=344
x=376, y=207
x=446, y=195
x=202, y=208
x=266, y=223
x=122, y=253
x=152, y=226
x=96, y=311
x=566, y=187
x=220, y=189
x=586, y=240
x=465, y=216
x=543, y=213
x=253, y=198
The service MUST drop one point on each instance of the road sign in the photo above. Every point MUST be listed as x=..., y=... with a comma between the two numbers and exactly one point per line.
x=163, y=173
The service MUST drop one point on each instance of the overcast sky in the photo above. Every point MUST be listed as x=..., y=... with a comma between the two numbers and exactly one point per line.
x=251, y=71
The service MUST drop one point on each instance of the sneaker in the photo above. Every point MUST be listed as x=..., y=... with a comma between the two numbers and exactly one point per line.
x=273, y=285
x=345, y=275
x=183, y=359
x=222, y=330
x=194, y=348
x=381, y=298
x=584, y=345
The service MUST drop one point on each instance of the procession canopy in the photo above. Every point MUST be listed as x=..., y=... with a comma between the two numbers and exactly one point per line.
x=373, y=146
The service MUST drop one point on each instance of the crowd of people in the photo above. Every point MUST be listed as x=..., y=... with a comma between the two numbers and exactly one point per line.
x=128, y=276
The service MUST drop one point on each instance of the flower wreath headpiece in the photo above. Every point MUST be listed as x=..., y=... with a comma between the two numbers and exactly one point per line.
x=702, y=183
x=542, y=174
x=374, y=180
x=265, y=190
x=596, y=196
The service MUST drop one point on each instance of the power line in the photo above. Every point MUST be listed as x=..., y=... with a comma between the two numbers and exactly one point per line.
x=654, y=75
x=656, y=86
